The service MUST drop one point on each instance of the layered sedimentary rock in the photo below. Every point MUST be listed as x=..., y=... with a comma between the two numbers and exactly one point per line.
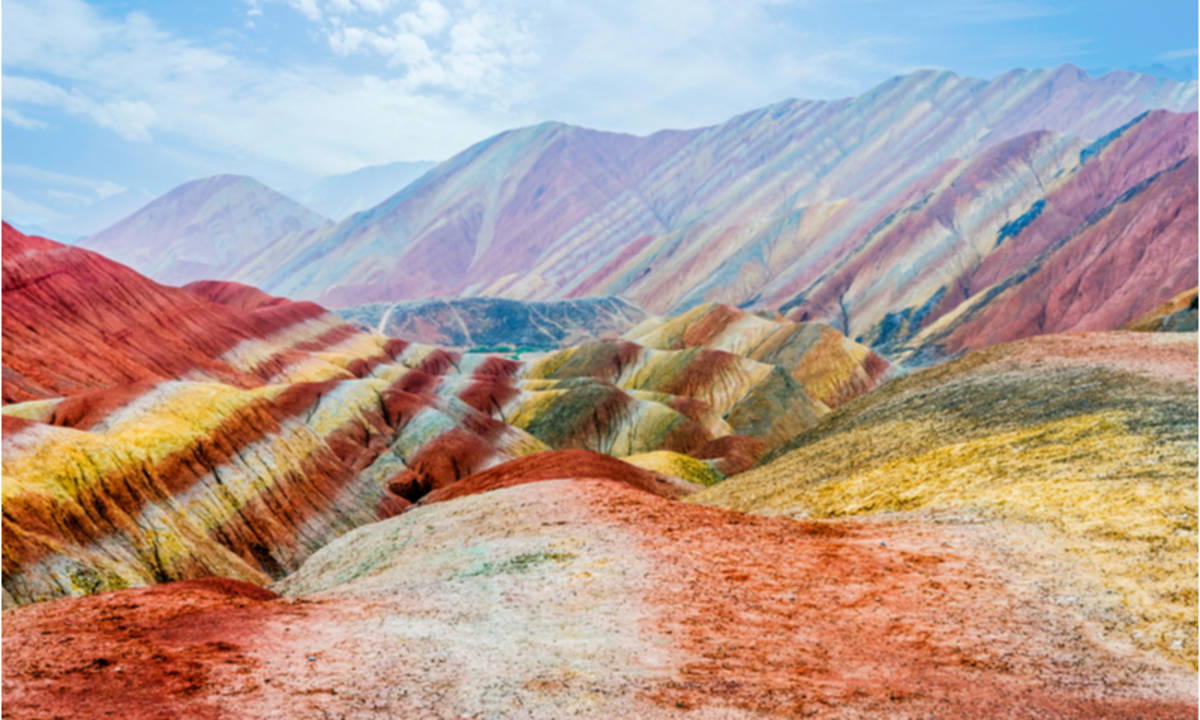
x=1078, y=450
x=830, y=366
x=592, y=598
x=179, y=479
x=930, y=196
x=154, y=433
x=1104, y=242
x=166, y=436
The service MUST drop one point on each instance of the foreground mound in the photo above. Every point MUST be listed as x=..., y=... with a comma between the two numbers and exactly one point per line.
x=1081, y=447
x=586, y=598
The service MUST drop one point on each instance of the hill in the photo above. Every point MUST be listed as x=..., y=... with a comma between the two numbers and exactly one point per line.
x=202, y=229
x=1078, y=450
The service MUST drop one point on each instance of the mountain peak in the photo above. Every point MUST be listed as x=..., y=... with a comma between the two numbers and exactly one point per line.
x=203, y=228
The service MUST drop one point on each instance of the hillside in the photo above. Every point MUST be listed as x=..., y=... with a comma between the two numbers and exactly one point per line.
x=587, y=597
x=1078, y=451
x=877, y=214
x=154, y=433
x=202, y=229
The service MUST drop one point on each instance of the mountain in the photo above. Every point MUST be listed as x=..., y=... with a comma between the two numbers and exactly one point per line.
x=338, y=196
x=780, y=207
x=151, y=434
x=155, y=433
x=234, y=485
x=202, y=229
x=497, y=323
x=1106, y=241
x=1076, y=452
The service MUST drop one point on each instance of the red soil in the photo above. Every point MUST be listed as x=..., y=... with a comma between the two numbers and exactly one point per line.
x=75, y=321
x=224, y=292
x=799, y=619
x=132, y=654
x=555, y=465
x=768, y=616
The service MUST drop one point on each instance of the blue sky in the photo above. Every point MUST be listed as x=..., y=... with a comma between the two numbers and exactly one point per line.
x=106, y=104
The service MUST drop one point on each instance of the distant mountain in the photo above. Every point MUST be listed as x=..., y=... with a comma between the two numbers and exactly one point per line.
x=339, y=196
x=495, y=322
x=772, y=208
x=202, y=229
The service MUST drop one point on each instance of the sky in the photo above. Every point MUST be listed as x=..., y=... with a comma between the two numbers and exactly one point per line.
x=109, y=104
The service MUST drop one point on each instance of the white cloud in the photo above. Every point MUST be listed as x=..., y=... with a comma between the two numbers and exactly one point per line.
x=131, y=77
x=101, y=189
x=16, y=117
x=308, y=7
x=1181, y=54
x=129, y=119
x=475, y=51
x=430, y=18
x=26, y=212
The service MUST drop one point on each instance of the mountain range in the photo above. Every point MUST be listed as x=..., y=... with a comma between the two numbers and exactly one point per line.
x=909, y=217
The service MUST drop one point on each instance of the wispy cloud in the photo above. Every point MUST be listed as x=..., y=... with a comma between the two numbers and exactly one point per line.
x=1181, y=54
x=128, y=118
x=16, y=117
x=132, y=77
x=986, y=11
x=100, y=189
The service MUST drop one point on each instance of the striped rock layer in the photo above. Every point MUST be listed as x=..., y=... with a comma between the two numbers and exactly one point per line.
x=155, y=433
x=1078, y=449
x=878, y=214
x=588, y=597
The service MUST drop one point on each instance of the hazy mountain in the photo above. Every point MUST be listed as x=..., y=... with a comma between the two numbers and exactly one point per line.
x=202, y=229
x=338, y=196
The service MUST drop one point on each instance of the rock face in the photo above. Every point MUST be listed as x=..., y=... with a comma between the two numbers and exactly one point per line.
x=1175, y=315
x=496, y=323
x=1080, y=449
x=154, y=433
x=203, y=229
x=1106, y=242
x=830, y=366
x=591, y=598
x=878, y=215
x=75, y=321
x=166, y=436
